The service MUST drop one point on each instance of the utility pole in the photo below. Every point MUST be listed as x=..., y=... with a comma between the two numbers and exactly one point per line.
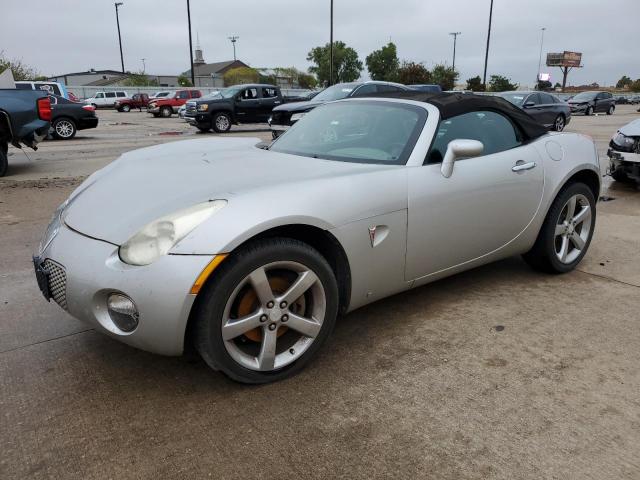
x=119, y=4
x=486, y=55
x=234, y=39
x=331, y=46
x=540, y=57
x=144, y=66
x=455, y=39
x=193, y=74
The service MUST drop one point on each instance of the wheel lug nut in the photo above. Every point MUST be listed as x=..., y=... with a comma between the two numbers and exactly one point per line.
x=263, y=318
x=270, y=304
x=272, y=326
x=285, y=318
x=283, y=304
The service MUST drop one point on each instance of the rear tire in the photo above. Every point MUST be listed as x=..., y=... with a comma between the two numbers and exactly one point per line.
x=242, y=352
x=559, y=123
x=566, y=232
x=64, y=129
x=4, y=161
x=221, y=122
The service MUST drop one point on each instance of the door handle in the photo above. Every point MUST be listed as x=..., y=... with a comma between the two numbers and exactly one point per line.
x=521, y=166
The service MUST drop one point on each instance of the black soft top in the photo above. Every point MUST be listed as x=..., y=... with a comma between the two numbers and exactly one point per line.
x=454, y=104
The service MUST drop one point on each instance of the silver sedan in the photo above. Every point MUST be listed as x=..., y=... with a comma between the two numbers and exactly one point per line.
x=251, y=252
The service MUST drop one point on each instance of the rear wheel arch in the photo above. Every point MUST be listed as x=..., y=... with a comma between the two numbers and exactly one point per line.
x=322, y=240
x=589, y=178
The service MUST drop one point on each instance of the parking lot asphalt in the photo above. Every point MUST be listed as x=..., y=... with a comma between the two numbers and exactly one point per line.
x=499, y=373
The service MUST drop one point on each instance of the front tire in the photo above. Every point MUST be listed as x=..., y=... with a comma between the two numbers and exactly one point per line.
x=126, y=108
x=567, y=230
x=166, y=112
x=267, y=312
x=589, y=111
x=611, y=110
x=620, y=176
x=4, y=160
x=64, y=129
x=221, y=122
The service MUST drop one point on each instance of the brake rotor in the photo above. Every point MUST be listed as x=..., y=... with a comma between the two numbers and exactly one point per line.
x=249, y=303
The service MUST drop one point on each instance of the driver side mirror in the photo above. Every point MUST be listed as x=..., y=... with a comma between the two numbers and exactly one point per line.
x=459, y=149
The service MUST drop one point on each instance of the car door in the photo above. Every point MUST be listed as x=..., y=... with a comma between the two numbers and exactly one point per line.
x=548, y=108
x=482, y=206
x=533, y=106
x=247, y=105
x=269, y=99
x=99, y=99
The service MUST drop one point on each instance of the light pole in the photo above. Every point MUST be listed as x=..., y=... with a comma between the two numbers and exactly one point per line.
x=540, y=57
x=455, y=39
x=486, y=55
x=119, y=4
x=331, y=45
x=234, y=39
x=193, y=74
x=144, y=66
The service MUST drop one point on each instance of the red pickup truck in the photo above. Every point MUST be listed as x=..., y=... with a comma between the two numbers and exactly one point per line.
x=139, y=101
x=167, y=106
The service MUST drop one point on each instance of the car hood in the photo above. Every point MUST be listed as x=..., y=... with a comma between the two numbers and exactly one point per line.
x=146, y=184
x=631, y=129
x=294, y=107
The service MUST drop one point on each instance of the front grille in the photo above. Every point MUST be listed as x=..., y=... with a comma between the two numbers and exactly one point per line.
x=57, y=282
x=191, y=108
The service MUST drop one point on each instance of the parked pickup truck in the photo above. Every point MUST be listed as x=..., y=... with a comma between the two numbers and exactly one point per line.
x=250, y=103
x=24, y=118
x=139, y=101
x=167, y=106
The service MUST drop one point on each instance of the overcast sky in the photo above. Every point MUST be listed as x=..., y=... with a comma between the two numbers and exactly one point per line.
x=62, y=36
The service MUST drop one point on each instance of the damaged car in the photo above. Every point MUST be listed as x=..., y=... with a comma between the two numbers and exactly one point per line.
x=624, y=153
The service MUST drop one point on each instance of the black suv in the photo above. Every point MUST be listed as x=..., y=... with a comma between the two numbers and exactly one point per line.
x=283, y=116
x=593, y=102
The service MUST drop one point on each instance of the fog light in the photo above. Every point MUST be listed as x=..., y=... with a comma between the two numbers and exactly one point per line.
x=123, y=312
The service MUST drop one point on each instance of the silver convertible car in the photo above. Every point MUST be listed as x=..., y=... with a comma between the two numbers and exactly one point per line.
x=249, y=253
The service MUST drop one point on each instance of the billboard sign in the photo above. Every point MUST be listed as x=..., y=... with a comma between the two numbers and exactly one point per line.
x=564, y=59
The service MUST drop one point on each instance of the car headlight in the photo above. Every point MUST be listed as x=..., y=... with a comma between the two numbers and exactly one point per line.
x=297, y=116
x=623, y=140
x=203, y=107
x=158, y=237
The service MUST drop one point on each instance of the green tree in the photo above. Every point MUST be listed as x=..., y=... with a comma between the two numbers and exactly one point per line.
x=383, y=64
x=557, y=85
x=139, y=79
x=498, y=83
x=444, y=76
x=635, y=86
x=624, y=82
x=20, y=70
x=543, y=85
x=411, y=73
x=184, y=81
x=346, y=64
x=240, y=75
x=306, y=80
x=475, y=84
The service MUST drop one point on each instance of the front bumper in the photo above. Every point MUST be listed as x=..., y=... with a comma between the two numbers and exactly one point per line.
x=625, y=162
x=579, y=108
x=87, y=271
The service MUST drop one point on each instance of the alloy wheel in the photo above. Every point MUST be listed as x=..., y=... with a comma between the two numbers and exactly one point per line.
x=573, y=229
x=273, y=316
x=64, y=128
x=222, y=123
x=559, y=124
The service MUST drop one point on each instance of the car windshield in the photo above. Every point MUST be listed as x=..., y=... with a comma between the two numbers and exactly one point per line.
x=227, y=92
x=211, y=95
x=584, y=97
x=515, y=98
x=356, y=131
x=337, y=92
